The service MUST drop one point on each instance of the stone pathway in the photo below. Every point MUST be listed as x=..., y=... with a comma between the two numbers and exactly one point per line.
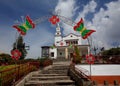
x=54, y=75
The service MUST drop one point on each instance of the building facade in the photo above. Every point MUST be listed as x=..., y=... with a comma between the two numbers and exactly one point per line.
x=64, y=46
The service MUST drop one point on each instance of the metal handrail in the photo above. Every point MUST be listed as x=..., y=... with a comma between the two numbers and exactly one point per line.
x=83, y=73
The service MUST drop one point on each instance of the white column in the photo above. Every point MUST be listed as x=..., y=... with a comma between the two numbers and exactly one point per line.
x=66, y=53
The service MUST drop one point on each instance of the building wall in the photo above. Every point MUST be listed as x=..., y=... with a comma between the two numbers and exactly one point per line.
x=101, y=73
x=109, y=79
x=54, y=50
x=73, y=37
x=60, y=53
x=57, y=40
x=61, y=41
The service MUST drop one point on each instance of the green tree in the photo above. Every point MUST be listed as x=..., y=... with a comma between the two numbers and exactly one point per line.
x=5, y=57
x=77, y=58
x=20, y=45
x=111, y=52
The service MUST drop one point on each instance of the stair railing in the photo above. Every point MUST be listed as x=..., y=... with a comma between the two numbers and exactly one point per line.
x=83, y=72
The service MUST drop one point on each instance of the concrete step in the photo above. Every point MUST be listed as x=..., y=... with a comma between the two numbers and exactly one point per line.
x=48, y=85
x=49, y=82
x=61, y=59
x=53, y=74
x=67, y=63
x=60, y=67
x=51, y=78
x=55, y=71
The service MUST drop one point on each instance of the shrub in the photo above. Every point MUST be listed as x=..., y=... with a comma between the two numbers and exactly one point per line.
x=76, y=57
x=45, y=62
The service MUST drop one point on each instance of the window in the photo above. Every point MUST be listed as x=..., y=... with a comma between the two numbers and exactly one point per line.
x=60, y=53
x=76, y=42
x=67, y=43
x=57, y=33
x=52, y=54
x=73, y=42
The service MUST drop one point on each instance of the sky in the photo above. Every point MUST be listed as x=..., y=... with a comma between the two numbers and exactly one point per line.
x=100, y=15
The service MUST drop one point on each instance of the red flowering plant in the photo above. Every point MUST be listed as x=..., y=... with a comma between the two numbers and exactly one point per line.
x=90, y=59
x=54, y=19
x=16, y=54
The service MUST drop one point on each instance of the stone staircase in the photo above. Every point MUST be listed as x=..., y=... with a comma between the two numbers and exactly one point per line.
x=61, y=59
x=54, y=75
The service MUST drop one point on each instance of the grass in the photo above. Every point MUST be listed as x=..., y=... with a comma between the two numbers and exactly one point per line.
x=14, y=72
x=6, y=67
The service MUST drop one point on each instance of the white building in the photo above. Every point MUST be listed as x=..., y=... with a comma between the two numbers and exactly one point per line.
x=64, y=46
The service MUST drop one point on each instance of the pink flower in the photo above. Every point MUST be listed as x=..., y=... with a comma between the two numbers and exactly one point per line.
x=54, y=19
x=90, y=59
x=16, y=54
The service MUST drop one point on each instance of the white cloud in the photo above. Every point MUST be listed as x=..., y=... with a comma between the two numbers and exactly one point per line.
x=90, y=7
x=106, y=23
x=67, y=9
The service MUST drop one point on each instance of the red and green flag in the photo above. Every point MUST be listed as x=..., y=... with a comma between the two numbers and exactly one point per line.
x=22, y=29
x=83, y=31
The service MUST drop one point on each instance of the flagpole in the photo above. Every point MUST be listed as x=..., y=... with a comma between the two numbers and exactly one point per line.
x=90, y=59
x=90, y=71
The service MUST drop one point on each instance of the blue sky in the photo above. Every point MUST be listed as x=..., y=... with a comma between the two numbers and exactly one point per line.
x=100, y=15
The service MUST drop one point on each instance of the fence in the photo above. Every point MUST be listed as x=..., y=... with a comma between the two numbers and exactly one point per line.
x=78, y=76
x=11, y=75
